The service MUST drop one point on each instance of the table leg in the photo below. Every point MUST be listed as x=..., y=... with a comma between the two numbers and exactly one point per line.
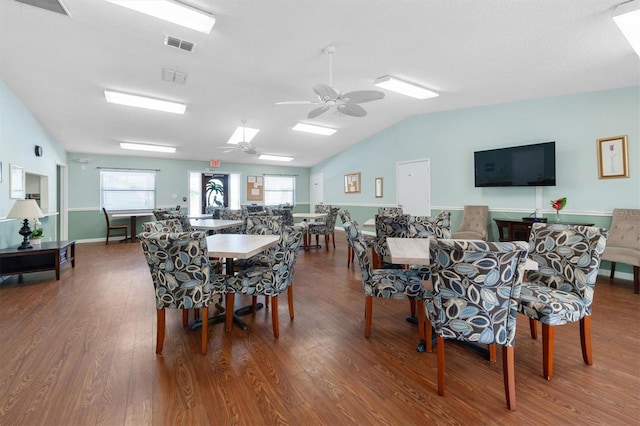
x=134, y=225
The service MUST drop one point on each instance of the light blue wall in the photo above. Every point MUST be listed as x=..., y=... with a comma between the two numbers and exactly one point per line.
x=20, y=132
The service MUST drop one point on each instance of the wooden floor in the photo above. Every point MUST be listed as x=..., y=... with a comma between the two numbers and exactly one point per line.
x=81, y=351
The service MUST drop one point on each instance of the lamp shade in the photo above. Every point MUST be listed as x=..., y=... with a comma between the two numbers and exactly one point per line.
x=25, y=209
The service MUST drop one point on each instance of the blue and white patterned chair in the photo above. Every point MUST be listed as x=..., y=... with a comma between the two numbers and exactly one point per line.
x=396, y=226
x=325, y=227
x=167, y=225
x=396, y=284
x=561, y=290
x=476, y=286
x=345, y=216
x=182, y=275
x=234, y=214
x=269, y=281
x=389, y=211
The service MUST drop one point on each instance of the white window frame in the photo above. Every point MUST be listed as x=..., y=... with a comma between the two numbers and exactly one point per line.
x=267, y=190
x=145, y=204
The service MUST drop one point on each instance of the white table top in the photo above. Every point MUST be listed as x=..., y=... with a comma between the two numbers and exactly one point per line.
x=197, y=216
x=409, y=251
x=241, y=246
x=213, y=224
x=309, y=215
x=134, y=214
x=369, y=222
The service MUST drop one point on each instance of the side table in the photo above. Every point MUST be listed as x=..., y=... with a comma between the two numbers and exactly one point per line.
x=49, y=256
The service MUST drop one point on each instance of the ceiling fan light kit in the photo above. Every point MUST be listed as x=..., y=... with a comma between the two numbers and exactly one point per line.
x=403, y=87
x=172, y=11
x=317, y=130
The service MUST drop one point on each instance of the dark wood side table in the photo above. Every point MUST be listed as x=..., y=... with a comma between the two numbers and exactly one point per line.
x=49, y=256
x=518, y=230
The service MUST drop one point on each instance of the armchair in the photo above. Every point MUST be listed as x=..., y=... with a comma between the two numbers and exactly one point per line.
x=623, y=243
x=326, y=227
x=474, y=224
x=167, y=225
x=389, y=226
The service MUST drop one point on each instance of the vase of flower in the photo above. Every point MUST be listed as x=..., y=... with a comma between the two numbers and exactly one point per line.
x=558, y=205
x=36, y=235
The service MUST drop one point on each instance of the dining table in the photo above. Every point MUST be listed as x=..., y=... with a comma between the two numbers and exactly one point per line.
x=236, y=246
x=305, y=218
x=213, y=224
x=197, y=216
x=133, y=220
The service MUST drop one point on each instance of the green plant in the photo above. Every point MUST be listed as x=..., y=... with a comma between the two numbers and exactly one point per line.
x=37, y=230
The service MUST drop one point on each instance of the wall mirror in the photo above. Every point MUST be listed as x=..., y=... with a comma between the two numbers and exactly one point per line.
x=378, y=187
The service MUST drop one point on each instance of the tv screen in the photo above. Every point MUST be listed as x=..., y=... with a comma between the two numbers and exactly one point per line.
x=525, y=165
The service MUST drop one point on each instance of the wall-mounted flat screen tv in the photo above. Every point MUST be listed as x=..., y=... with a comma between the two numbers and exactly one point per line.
x=525, y=165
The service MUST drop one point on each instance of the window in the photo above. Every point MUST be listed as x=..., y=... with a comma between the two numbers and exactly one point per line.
x=279, y=190
x=127, y=189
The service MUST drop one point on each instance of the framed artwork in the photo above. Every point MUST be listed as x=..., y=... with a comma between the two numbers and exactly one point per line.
x=16, y=182
x=352, y=182
x=378, y=187
x=613, y=161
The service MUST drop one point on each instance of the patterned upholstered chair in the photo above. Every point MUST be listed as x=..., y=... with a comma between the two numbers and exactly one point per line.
x=475, y=298
x=345, y=216
x=261, y=225
x=161, y=214
x=389, y=211
x=286, y=213
x=182, y=217
x=474, y=224
x=561, y=290
x=168, y=225
x=623, y=243
x=396, y=284
x=234, y=214
x=182, y=275
x=325, y=227
x=397, y=226
x=269, y=281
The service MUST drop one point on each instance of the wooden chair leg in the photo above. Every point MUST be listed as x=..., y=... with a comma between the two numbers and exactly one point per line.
x=412, y=306
x=547, y=351
x=290, y=300
x=508, y=371
x=368, y=310
x=205, y=330
x=266, y=302
x=230, y=300
x=349, y=252
x=440, y=345
x=613, y=270
x=333, y=240
x=326, y=241
x=196, y=314
x=428, y=334
x=492, y=352
x=421, y=318
x=185, y=317
x=160, y=314
x=254, y=302
x=585, y=339
x=274, y=316
x=636, y=279
x=534, y=328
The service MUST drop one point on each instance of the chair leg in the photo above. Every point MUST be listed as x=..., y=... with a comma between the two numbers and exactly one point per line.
x=547, y=351
x=368, y=310
x=185, y=317
x=274, y=316
x=254, y=302
x=613, y=270
x=428, y=334
x=333, y=240
x=229, y=312
x=412, y=306
x=585, y=339
x=440, y=345
x=534, y=328
x=326, y=241
x=349, y=252
x=160, y=314
x=508, y=371
x=205, y=329
x=421, y=318
x=290, y=300
x=636, y=279
x=492, y=352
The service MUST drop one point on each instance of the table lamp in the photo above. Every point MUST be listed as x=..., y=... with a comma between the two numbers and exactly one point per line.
x=25, y=209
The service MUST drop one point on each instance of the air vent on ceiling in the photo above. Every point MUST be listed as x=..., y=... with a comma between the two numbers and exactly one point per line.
x=180, y=44
x=51, y=5
x=173, y=76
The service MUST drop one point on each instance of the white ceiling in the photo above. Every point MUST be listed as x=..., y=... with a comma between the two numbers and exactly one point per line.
x=261, y=52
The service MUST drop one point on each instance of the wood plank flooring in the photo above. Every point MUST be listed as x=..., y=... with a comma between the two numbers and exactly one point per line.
x=81, y=351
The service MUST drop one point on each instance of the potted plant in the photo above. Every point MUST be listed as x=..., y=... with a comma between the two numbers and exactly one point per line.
x=36, y=235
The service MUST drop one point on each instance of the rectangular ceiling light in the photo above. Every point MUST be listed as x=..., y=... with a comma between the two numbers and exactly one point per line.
x=243, y=136
x=171, y=11
x=147, y=147
x=144, y=102
x=403, y=87
x=274, y=157
x=318, y=130
x=627, y=16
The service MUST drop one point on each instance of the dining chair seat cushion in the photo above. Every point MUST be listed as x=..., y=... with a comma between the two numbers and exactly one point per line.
x=423, y=271
x=549, y=305
x=394, y=284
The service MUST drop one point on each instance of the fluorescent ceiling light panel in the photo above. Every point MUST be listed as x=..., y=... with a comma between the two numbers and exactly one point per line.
x=147, y=147
x=318, y=130
x=171, y=11
x=274, y=157
x=403, y=87
x=240, y=136
x=627, y=16
x=144, y=102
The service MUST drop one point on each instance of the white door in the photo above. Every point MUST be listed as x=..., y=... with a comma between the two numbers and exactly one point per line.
x=414, y=187
x=316, y=191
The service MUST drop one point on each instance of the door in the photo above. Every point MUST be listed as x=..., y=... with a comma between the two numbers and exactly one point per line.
x=215, y=191
x=414, y=187
x=316, y=191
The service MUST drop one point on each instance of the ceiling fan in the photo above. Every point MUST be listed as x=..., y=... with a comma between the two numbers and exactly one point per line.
x=243, y=145
x=329, y=97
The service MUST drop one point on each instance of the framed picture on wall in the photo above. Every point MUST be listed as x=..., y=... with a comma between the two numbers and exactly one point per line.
x=352, y=182
x=16, y=182
x=613, y=161
x=378, y=187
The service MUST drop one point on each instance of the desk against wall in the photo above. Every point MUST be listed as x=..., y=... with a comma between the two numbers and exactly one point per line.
x=519, y=230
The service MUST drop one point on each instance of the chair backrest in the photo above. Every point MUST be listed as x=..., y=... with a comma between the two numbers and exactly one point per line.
x=322, y=208
x=345, y=216
x=168, y=225
x=285, y=212
x=234, y=214
x=358, y=244
x=331, y=217
x=625, y=229
x=106, y=217
x=425, y=226
x=389, y=211
x=161, y=214
x=568, y=257
x=264, y=225
x=180, y=269
x=397, y=226
x=476, y=287
x=475, y=219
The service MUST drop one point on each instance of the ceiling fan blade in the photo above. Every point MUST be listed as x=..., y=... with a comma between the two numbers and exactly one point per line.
x=296, y=103
x=353, y=110
x=324, y=92
x=317, y=111
x=362, y=96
